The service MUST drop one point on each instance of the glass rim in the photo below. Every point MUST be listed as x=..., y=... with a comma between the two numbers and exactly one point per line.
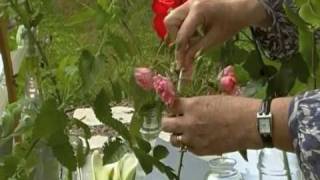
x=222, y=162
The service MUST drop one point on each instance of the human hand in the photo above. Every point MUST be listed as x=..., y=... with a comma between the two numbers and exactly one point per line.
x=214, y=124
x=220, y=20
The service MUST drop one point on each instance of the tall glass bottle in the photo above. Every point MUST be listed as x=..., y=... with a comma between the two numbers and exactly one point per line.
x=275, y=164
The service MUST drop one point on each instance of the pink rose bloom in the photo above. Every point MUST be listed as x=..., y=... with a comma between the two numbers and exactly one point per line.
x=227, y=71
x=165, y=89
x=228, y=84
x=144, y=78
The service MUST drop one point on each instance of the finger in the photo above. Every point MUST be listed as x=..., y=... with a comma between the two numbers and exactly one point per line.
x=172, y=124
x=174, y=20
x=175, y=141
x=188, y=28
x=198, y=47
x=179, y=106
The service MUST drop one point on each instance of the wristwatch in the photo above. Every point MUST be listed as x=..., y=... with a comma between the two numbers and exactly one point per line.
x=264, y=123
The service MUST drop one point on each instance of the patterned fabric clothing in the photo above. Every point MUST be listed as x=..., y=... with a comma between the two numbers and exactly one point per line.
x=278, y=41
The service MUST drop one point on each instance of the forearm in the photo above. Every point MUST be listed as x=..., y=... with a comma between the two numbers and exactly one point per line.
x=255, y=13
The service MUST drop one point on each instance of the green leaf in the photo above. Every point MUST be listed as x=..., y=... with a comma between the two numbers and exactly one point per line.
x=11, y=114
x=236, y=55
x=315, y=5
x=306, y=43
x=81, y=154
x=300, y=68
x=113, y=151
x=143, y=144
x=84, y=127
x=136, y=124
x=9, y=167
x=117, y=91
x=282, y=82
x=102, y=17
x=82, y=16
x=241, y=74
x=299, y=3
x=105, y=4
x=251, y=88
x=144, y=159
x=102, y=111
x=49, y=120
x=308, y=14
x=89, y=69
x=62, y=150
x=147, y=161
x=253, y=65
x=160, y=152
x=295, y=18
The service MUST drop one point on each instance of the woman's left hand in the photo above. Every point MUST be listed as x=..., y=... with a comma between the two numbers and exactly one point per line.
x=214, y=124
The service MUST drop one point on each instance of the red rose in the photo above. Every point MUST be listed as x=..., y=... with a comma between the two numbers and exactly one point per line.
x=159, y=27
x=161, y=9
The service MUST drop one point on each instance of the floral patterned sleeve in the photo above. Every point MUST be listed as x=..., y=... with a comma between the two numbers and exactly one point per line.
x=281, y=38
x=304, y=124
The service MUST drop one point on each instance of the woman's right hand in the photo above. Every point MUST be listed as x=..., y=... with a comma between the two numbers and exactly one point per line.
x=219, y=19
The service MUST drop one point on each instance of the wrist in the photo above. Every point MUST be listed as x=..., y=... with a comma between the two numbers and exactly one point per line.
x=281, y=134
x=249, y=137
x=254, y=13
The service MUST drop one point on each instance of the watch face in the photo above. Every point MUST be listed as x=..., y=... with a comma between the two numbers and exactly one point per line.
x=264, y=126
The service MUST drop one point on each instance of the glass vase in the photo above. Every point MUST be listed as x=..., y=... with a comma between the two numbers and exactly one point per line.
x=150, y=131
x=222, y=168
x=275, y=164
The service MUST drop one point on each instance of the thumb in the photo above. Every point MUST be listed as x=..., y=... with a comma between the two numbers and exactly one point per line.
x=178, y=107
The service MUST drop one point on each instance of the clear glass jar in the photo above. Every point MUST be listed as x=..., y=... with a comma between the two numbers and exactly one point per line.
x=275, y=164
x=223, y=168
x=151, y=125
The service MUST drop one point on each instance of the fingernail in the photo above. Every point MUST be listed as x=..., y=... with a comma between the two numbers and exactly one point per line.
x=198, y=53
x=171, y=44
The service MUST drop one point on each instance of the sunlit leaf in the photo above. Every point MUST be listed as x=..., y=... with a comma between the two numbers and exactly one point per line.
x=308, y=14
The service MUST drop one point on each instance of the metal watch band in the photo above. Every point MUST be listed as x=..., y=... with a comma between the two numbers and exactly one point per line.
x=265, y=110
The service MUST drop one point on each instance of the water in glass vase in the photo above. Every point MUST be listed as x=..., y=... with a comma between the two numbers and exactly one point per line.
x=151, y=125
x=223, y=168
